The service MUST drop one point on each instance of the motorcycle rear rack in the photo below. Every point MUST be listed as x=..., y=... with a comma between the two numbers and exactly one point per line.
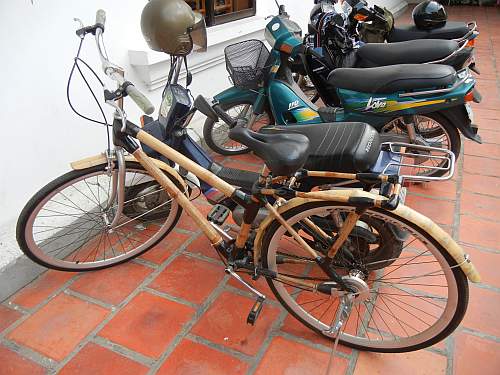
x=472, y=29
x=464, y=44
x=463, y=76
x=407, y=150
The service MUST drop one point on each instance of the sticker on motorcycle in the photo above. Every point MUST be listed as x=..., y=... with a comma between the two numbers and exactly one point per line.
x=293, y=105
x=376, y=103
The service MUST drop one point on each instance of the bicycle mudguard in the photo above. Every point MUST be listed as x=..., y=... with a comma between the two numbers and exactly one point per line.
x=92, y=161
x=404, y=212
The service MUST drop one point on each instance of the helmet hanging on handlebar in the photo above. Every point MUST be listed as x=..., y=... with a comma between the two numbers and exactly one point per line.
x=172, y=27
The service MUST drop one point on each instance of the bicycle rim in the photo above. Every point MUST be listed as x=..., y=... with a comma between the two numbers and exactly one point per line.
x=68, y=228
x=412, y=303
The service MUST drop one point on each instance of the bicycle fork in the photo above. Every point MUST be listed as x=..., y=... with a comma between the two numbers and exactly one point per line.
x=117, y=188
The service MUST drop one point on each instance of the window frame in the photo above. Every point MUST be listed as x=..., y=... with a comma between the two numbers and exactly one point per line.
x=214, y=20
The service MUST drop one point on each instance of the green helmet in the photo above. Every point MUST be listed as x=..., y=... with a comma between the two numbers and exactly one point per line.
x=172, y=27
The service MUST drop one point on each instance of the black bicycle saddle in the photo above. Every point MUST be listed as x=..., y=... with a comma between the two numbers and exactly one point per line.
x=283, y=153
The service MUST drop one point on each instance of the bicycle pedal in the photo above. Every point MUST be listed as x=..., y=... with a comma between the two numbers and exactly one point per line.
x=218, y=214
x=255, y=312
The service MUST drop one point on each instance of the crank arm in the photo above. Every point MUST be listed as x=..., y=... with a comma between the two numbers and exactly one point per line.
x=229, y=270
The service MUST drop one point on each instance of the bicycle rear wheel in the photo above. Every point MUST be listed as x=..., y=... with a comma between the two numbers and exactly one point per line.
x=412, y=302
x=65, y=226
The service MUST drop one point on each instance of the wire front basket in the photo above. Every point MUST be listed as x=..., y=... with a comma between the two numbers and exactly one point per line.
x=246, y=63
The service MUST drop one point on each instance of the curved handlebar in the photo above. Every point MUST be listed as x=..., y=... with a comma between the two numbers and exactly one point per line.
x=139, y=99
x=113, y=71
x=224, y=116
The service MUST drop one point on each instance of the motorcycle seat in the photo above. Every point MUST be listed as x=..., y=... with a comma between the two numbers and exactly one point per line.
x=411, y=52
x=393, y=78
x=284, y=154
x=451, y=30
x=338, y=146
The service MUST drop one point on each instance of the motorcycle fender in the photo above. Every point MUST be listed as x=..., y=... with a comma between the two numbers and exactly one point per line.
x=236, y=95
x=404, y=212
x=459, y=117
x=92, y=161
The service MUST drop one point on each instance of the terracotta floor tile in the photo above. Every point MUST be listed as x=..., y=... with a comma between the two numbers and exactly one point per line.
x=482, y=312
x=186, y=223
x=41, y=288
x=112, y=285
x=7, y=317
x=482, y=166
x=442, y=189
x=479, y=232
x=225, y=323
x=14, y=364
x=248, y=158
x=57, y=328
x=474, y=355
x=488, y=114
x=147, y=324
x=243, y=166
x=479, y=205
x=287, y=357
x=416, y=363
x=485, y=123
x=96, y=360
x=490, y=136
x=488, y=150
x=166, y=247
x=190, y=358
x=440, y=211
x=487, y=265
x=189, y=278
x=481, y=184
x=201, y=245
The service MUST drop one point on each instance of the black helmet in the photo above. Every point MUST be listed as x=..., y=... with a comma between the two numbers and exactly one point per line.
x=429, y=15
x=172, y=27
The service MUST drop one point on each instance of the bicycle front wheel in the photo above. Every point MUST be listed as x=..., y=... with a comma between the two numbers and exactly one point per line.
x=403, y=304
x=65, y=226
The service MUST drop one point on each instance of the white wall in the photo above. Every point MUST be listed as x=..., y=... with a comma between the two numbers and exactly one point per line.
x=41, y=135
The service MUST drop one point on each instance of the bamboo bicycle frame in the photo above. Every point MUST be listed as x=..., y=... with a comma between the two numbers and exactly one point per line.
x=341, y=196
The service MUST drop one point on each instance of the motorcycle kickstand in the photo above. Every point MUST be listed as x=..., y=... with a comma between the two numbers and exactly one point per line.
x=259, y=303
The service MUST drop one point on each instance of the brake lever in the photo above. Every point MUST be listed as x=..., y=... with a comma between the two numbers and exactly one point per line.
x=80, y=22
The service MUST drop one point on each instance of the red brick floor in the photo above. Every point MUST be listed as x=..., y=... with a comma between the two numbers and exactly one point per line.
x=150, y=316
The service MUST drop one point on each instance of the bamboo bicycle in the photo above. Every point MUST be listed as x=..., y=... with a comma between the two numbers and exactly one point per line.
x=311, y=247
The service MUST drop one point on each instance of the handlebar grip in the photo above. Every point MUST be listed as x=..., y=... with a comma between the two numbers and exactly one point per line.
x=139, y=99
x=224, y=116
x=100, y=17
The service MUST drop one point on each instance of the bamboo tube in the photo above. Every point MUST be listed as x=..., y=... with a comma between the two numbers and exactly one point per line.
x=186, y=163
x=176, y=194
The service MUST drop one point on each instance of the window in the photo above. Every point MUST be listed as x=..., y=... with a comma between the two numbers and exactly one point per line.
x=217, y=12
